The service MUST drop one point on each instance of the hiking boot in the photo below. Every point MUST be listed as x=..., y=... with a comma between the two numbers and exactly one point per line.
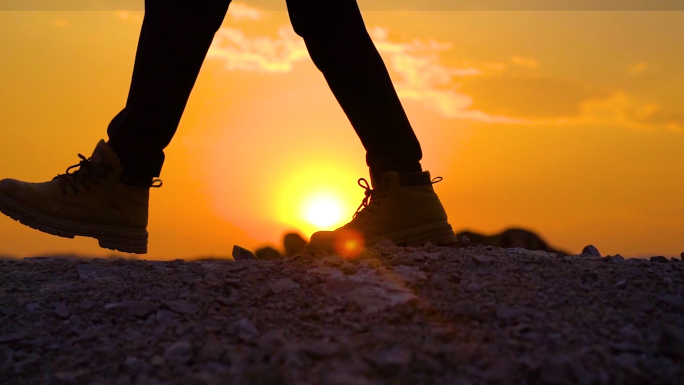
x=89, y=201
x=402, y=207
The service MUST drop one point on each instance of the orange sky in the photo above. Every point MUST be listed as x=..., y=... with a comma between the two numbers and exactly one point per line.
x=567, y=123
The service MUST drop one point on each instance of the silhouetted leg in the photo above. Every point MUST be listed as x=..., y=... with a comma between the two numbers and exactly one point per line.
x=174, y=41
x=339, y=45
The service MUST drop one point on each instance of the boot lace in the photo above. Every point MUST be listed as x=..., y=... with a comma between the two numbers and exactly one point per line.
x=85, y=174
x=374, y=198
x=371, y=200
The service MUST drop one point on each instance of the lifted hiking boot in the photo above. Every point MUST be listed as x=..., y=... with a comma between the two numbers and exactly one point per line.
x=89, y=202
x=403, y=207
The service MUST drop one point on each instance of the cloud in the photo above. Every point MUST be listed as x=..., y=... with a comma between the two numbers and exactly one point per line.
x=524, y=62
x=637, y=68
x=262, y=54
x=239, y=11
x=528, y=97
x=130, y=16
x=489, y=92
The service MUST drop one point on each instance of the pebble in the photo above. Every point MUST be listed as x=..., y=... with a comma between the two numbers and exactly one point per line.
x=242, y=254
x=483, y=259
x=179, y=353
x=6, y=358
x=182, y=306
x=283, y=285
x=506, y=313
x=212, y=349
x=158, y=361
x=164, y=316
x=140, y=308
x=591, y=250
x=61, y=310
x=245, y=329
x=392, y=360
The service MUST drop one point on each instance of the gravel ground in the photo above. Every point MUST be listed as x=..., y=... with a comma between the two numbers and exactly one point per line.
x=431, y=315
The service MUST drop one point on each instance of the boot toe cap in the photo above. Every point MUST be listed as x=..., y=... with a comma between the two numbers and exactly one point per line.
x=12, y=188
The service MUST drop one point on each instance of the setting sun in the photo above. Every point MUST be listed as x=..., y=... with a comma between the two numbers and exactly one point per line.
x=323, y=211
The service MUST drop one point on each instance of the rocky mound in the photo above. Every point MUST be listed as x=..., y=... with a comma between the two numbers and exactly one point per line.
x=431, y=315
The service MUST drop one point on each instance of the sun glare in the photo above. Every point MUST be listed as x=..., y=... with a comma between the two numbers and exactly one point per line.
x=323, y=212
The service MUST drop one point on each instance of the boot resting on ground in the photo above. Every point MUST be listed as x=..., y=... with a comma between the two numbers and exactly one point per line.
x=401, y=206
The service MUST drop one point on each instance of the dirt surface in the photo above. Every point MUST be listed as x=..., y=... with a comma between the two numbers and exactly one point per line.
x=428, y=315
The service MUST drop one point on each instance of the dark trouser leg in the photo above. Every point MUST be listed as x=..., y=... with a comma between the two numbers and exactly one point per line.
x=339, y=44
x=174, y=41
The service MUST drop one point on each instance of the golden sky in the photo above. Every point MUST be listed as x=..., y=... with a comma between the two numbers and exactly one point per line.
x=570, y=124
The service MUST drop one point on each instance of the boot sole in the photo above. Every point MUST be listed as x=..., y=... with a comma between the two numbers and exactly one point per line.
x=109, y=237
x=439, y=234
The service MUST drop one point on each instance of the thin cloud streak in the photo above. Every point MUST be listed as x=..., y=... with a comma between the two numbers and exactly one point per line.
x=420, y=76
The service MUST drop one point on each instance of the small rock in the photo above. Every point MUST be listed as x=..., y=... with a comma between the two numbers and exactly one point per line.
x=226, y=301
x=591, y=250
x=621, y=284
x=245, y=329
x=140, y=308
x=86, y=304
x=416, y=257
x=506, y=313
x=179, y=353
x=182, y=306
x=672, y=341
x=90, y=271
x=211, y=350
x=473, y=286
x=392, y=360
x=283, y=285
x=61, y=310
x=294, y=244
x=464, y=241
x=659, y=259
x=321, y=349
x=242, y=254
x=370, y=263
x=5, y=358
x=332, y=260
x=163, y=316
x=673, y=300
x=11, y=337
x=267, y=253
x=554, y=370
x=158, y=361
x=386, y=243
x=482, y=259
x=433, y=256
x=176, y=263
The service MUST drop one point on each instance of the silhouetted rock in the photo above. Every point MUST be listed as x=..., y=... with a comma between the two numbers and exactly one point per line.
x=591, y=250
x=294, y=244
x=507, y=239
x=659, y=258
x=241, y=254
x=268, y=253
x=179, y=352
